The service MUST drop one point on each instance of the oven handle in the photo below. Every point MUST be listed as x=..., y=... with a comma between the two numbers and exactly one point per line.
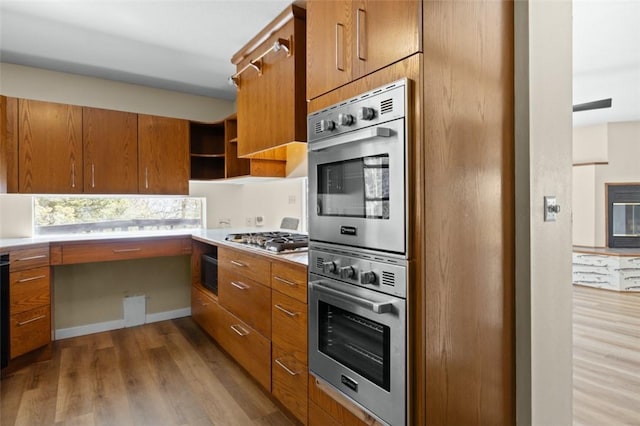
x=375, y=132
x=376, y=307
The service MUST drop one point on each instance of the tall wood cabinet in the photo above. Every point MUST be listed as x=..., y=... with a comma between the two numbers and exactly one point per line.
x=348, y=39
x=50, y=147
x=110, y=141
x=163, y=155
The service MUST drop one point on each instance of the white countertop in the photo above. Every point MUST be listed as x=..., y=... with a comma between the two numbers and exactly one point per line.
x=213, y=236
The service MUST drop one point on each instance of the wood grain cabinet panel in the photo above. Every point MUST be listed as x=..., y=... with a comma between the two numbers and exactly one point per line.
x=103, y=251
x=205, y=311
x=248, y=347
x=289, y=325
x=163, y=155
x=272, y=103
x=289, y=382
x=330, y=45
x=28, y=258
x=350, y=39
x=29, y=289
x=49, y=147
x=247, y=299
x=290, y=280
x=253, y=266
x=8, y=144
x=29, y=330
x=110, y=144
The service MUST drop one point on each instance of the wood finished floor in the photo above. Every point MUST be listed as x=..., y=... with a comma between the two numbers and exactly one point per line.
x=166, y=373
x=606, y=357
x=170, y=373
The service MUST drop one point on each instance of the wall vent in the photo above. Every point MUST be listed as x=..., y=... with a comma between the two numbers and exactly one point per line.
x=318, y=128
x=319, y=262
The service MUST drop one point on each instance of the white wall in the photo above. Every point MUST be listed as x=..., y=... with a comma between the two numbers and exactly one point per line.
x=35, y=83
x=543, y=68
x=16, y=216
x=617, y=144
x=273, y=199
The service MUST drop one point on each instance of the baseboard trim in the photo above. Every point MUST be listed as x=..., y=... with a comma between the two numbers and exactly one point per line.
x=82, y=330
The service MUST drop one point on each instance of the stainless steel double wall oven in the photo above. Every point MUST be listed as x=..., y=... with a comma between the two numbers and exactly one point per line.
x=357, y=152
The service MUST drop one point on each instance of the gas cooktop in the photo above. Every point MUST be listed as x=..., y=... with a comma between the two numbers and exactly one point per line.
x=277, y=241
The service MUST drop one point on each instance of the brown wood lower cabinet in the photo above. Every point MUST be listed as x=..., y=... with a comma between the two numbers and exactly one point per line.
x=248, y=347
x=247, y=299
x=289, y=382
x=29, y=300
x=29, y=330
x=325, y=410
x=205, y=311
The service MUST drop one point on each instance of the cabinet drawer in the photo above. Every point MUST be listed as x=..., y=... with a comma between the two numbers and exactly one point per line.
x=252, y=266
x=290, y=280
x=30, y=330
x=124, y=249
x=289, y=383
x=28, y=258
x=30, y=289
x=205, y=311
x=248, y=347
x=289, y=325
x=247, y=299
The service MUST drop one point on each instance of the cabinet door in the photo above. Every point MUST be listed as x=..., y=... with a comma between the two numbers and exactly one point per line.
x=163, y=155
x=110, y=142
x=49, y=147
x=385, y=32
x=271, y=104
x=329, y=45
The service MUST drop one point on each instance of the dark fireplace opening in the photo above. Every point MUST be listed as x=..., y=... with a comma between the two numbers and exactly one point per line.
x=623, y=213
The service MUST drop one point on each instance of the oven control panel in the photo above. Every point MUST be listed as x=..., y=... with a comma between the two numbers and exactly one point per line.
x=377, y=106
x=386, y=276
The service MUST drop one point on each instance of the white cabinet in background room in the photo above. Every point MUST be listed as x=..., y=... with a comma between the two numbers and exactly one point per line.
x=611, y=272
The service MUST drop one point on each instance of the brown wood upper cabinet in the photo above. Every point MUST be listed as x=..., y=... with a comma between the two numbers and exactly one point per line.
x=49, y=147
x=349, y=39
x=110, y=141
x=271, y=87
x=163, y=155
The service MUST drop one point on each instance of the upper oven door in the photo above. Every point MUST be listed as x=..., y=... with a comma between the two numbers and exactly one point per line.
x=357, y=185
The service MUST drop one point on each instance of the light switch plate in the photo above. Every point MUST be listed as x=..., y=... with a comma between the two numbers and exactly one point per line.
x=551, y=208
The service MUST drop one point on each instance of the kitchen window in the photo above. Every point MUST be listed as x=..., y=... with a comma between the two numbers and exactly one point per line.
x=103, y=214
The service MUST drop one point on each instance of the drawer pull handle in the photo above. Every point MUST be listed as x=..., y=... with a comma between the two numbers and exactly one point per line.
x=287, y=369
x=242, y=332
x=24, y=280
x=285, y=281
x=129, y=250
x=40, y=256
x=239, y=285
x=286, y=311
x=31, y=320
x=240, y=264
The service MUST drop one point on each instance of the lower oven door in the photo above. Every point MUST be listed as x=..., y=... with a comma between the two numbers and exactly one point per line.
x=357, y=344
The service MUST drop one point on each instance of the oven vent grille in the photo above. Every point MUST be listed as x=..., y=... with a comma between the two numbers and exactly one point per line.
x=319, y=262
x=386, y=106
x=318, y=128
x=388, y=278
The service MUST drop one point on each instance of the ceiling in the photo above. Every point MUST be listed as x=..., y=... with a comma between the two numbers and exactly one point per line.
x=186, y=45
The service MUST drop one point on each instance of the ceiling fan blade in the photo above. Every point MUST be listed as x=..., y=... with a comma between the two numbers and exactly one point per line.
x=602, y=103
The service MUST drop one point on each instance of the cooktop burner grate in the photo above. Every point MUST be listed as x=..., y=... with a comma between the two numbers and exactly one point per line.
x=276, y=241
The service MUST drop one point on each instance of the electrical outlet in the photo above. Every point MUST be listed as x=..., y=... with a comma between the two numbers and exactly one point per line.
x=259, y=220
x=248, y=221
